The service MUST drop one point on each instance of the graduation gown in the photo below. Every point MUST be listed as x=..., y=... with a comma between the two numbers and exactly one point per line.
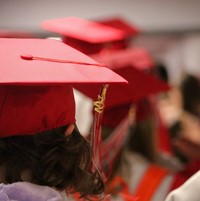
x=141, y=180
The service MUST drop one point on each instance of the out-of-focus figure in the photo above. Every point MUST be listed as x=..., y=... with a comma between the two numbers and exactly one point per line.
x=129, y=148
x=180, y=113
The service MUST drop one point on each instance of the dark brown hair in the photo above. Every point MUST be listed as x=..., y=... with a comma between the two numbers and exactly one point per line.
x=142, y=137
x=190, y=90
x=52, y=159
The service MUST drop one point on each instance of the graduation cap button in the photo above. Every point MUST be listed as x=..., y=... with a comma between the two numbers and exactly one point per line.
x=27, y=57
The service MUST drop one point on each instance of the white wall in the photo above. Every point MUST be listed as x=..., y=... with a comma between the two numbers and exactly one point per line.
x=147, y=14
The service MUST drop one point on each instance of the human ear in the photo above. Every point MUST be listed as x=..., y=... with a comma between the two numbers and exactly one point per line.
x=69, y=129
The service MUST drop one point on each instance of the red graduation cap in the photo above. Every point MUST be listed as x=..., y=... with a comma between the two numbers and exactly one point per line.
x=86, y=36
x=35, y=84
x=129, y=30
x=140, y=85
x=137, y=57
x=121, y=24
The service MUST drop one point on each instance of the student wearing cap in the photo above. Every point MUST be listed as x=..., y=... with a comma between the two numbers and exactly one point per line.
x=132, y=174
x=41, y=150
x=135, y=173
x=185, y=131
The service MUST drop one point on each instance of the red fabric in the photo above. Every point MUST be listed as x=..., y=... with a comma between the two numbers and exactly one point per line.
x=140, y=85
x=83, y=46
x=16, y=70
x=84, y=30
x=182, y=176
x=30, y=109
x=112, y=146
x=94, y=48
x=146, y=188
x=150, y=182
x=113, y=116
x=35, y=90
x=137, y=57
x=96, y=38
x=121, y=24
x=117, y=185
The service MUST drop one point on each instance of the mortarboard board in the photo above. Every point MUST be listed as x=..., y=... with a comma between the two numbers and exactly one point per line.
x=96, y=36
x=35, y=84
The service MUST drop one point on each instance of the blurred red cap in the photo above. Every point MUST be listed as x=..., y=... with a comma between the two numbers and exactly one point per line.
x=127, y=64
x=87, y=36
x=137, y=57
x=129, y=30
x=121, y=24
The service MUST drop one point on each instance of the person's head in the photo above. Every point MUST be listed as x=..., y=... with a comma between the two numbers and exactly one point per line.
x=49, y=158
x=39, y=141
x=190, y=90
x=161, y=71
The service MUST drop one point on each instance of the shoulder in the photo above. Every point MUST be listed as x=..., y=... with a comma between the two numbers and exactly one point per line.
x=24, y=191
